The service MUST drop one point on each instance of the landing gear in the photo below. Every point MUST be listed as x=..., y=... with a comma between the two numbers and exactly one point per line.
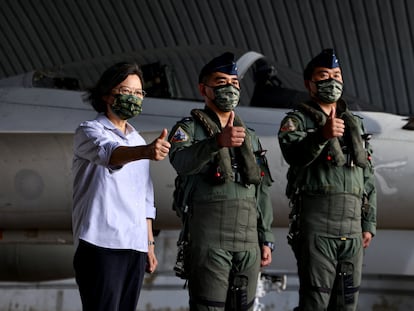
x=268, y=282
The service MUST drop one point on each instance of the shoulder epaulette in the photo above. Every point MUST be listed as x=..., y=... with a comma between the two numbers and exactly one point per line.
x=187, y=119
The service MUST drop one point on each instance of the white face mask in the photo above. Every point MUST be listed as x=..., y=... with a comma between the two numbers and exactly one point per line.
x=329, y=90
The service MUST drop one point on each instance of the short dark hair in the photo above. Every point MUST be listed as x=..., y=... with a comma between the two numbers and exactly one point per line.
x=109, y=79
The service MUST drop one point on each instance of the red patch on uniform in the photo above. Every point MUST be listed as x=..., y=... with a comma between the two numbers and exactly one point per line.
x=179, y=136
x=289, y=125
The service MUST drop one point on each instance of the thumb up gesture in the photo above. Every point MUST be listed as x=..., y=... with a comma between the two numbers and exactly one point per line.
x=231, y=136
x=334, y=127
x=160, y=147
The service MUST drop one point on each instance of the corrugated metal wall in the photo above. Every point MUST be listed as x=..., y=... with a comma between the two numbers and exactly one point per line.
x=373, y=38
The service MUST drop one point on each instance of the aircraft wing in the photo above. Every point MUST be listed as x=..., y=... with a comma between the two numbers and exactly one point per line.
x=36, y=132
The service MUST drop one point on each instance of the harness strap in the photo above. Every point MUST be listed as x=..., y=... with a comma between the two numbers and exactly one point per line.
x=250, y=170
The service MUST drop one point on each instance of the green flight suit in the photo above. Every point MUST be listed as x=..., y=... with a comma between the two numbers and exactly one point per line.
x=332, y=191
x=228, y=220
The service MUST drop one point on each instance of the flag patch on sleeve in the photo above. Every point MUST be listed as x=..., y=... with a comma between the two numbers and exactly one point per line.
x=179, y=136
x=289, y=125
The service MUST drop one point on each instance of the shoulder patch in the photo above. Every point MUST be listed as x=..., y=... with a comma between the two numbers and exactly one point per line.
x=289, y=125
x=179, y=136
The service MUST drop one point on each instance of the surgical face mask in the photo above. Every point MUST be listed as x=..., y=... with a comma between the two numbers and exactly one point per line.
x=329, y=90
x=226, y=97
x=126, y=106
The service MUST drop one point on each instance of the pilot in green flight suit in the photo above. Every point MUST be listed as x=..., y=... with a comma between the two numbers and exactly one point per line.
x=230, y=212
x=331, y=188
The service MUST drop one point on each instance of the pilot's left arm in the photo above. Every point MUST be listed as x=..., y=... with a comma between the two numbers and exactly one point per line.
x=369, y=211
x=264, y=221
x=264, y=208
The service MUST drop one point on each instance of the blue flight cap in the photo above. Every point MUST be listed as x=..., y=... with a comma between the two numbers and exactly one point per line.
x=224, y=63
x=326, y=58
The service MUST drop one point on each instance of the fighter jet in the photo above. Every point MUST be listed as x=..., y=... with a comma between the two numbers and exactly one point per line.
x=36, y=132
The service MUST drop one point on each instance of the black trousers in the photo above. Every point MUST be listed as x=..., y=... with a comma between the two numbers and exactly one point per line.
x=108, y=279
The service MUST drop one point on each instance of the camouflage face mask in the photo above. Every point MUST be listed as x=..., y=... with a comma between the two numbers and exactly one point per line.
x=126, y=106
x=226, y=97
x=329, y=90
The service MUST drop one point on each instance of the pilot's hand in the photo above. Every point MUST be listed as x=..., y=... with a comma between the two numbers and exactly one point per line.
x=152, y=261
x=160, y=147
x=231, y=136
x=366, y=239
x=266, y=256
x=334, y=127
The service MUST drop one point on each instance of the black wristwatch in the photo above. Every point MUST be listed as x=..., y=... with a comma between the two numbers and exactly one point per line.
x=271, y=245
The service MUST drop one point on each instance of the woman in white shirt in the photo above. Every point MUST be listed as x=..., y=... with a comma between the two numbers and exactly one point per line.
x=113, y=197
